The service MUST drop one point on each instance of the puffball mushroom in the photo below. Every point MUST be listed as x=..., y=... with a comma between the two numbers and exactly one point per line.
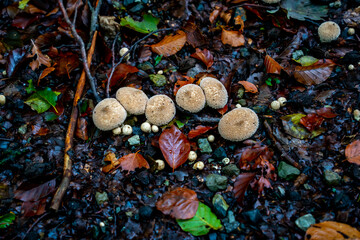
x=108, y=114
x=215, y=93
x=238, y=124
x=134, y=100
x=329, y=31
x=191, y=98
x=160, y=110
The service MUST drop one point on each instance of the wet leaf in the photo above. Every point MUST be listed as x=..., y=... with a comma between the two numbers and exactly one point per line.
x=42, y=100
x=352, y=152
x=81, y=129
x=233, y=38
x=307, y=61
x=170, y=44
x=174, y=146
x=180, y=203
x=205, y=56
x=132, y=161
x=326, y=112
x=262, y=183
x=14, y=59
x=44, y=73
x=314, y=74
x=193, y=35
x=32, y=192
x=147, y=25
x=293, y=127
x=249, y=87
x=214, y=14
x=271, y=65
x=311, y=121
x=33, y=208
x=23, y=20
x=41, y=59
x=201, y=223
x=303, y=9
x=37, y=130
x=67, y=62
x=120, y=73
x=331, y=230
x=199, y=130
x=7, y=219
x=112, y=160
x=241, y=184
x=223, y=110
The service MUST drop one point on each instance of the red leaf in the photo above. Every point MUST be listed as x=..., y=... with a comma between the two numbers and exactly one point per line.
x=271, y=65
x=174, y=146
x=170, y=44
x=241, y=184
x=326, y=112
x=132, y=161
x=249, y=87
x=314, y=74
x=352, y=152
x=37, y=130
x=120, y=73
x=198, y=131
x=311, y=121
x=44, y=73
x=205, y=56
x=22, y=21
x=30, y=209
x=254, y=155
x=261, y=183
x=33, y=192
x=180, y=203
x=81, y=129
x=223, y=110
x=233, y=38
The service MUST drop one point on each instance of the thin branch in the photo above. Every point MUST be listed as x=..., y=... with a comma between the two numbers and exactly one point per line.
x=94, y=17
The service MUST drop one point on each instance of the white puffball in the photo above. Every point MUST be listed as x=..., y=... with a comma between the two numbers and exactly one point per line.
x=127, y=130
x=154, y=128
x=2, y=99
x=117, y=131
x=275, y=105
x=146, y=127
x=192, y=156
x=211, y=138
x=199, y=165
x=282, y=101
x=160, y=164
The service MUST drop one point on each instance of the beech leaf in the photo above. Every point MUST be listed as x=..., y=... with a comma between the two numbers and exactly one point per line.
x=170, y=44
x=33, y=192
x=205, y=56
x=352, y=152
x=198, y=131
x=233, y=38
x=132, y=161
x=331, y=230
x=314, y=74
x=241, y=184
x=41, y=59
x=249, y=87
x=271, y=65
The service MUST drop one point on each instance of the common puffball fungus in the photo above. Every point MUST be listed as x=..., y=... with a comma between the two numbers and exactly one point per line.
x=134, y=100
x=160, y=110
x=215, y=93
x=329, y=31
x=108, y=114
x=191, y=98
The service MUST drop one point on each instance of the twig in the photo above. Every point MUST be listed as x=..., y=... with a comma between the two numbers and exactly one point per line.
x=55, y=204
x=94, y=16
x=82, y=50
x=34, y=224
x=280, y=148
x=205, y=119
x=132, y=48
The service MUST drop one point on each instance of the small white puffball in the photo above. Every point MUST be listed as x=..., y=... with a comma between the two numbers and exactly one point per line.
x=146, y=127
x=238, y=105
x=282, y=101
x=226, y=161
x=160, y=72
x=117, y=131
x=160, y=164
x=123, y=51
x=357, y=114
x=192, y=156
x=127, y=130
x=275, y=105
x=211, y=138
x=102, y=224
x=351, y=31
x=351, y=67
x=2, y=99
x=199, y=165
x=154, y=128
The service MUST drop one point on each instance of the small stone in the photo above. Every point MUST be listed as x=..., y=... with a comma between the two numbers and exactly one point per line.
x=305, y=221
x=230, y=223
x=134, y=140
x=216, y=182
x=22, y=129
x=219, y=153
x=101, y=197
x=231, y=170
x=220, y=205
x=332, y=178
x=254, y=216
x=242, y=102
x=327, y=165
x=204, y=145
x=287, y=171
x=145, y=212
x=145, y=66
x=158, y=79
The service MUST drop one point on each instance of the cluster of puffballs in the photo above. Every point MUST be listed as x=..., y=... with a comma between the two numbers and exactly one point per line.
x=236, y=125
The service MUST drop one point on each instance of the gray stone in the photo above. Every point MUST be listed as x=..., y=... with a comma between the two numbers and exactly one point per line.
x=332, y=178
x=305, y=221
x=204, y=145
x=253, y=216
x=287, y=171
x=101, y=197
x=230, y=223
x=216, y=182
x=220, y=205
x=327, y=165
x=159, y=80
x=134, y=140
x=219, y=153
x=231, y=170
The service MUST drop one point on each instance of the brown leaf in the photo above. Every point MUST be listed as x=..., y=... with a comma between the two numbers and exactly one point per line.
x=352, y=152
x=326, y=112
x=110, y=157
x=23, y=20
x=120, y=73
x=41, y=59
x=81, y=129
x=330, y=230
x=33, y=208
x=199, y=130
x=67, y=62
x=132, y=161
x=214, y=14
x=249, y=87
x=261, y=183
x=44, y=73
x=233, y=38
x=194, y=35
x=33, y=192
x=174, y=146
x=311, y=121
x=37, y=130
x=170, y=44
x=180, y=203
x=271, y=65
x=205, y=56
x=314, y=74
x=241, y=184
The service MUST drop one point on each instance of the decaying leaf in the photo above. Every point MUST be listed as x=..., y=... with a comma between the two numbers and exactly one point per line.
x=330, y=230
x=293, y=127
x=311, y=121
x=198, y=131
x=180, y=203
x=205, y=56
x=33, y=192
x=233, y=38
x=170, y=44
x=41, y=59
x=120, y=73
x=249, y=87
x=352, y=152
x=314, y=74
x=241, y=184
x=271, y=65
x=302, y=9
x=132, y=161
x=112, y=160
x=326, y=112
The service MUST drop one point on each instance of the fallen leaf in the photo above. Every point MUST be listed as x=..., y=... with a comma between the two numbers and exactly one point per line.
x=41, y=59
x=174, y=146
x=293, y=127
x=214, y=14
x=223, y=110
x=311, y=121
x=132, y=161
x=199, y=130
x=23, y=20
x=170, y=44
x=67, y=62
x=326, y=112
x=249, y=87
x=262, y=183
x=241, y=184
x=205, y=56
x=44, y=73
x=33, y=192
x=113, y=162
x=37, y=130
x=81, y=129
x=330, y=230
x=147, y=25
x=233, y=38
x=352, y=152
x=194, y=35
x=7, y=219
x=180, y=203
x=314, y=74
x=271, y=65
x=302, y=9
x=120, y=73
x=33, y=208
x=14, y=60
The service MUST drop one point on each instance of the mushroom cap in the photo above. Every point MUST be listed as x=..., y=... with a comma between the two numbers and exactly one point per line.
x=108, y=114
x=238, y=124
x=160, y=110
x=134, y=100
x=271, y=1
x=191, y=98
x=329, y=31
x=215, y=92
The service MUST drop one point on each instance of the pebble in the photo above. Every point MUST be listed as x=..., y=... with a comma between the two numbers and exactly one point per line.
x=204, y=145
x=231, y=170
x=287, y=171
x=332, y=178
x=101, y=197
x=305, y=221
x=220, y=205
x=134, y=140
x=216, y=182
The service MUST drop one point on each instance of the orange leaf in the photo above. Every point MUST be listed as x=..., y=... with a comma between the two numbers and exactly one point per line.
x=110, y=157
x=120, y=73
x=233, y=38
x=170, y=44
x=249, y=87
x=205, y=56
x=44, y=73
x=314, y=74
x=41, y=59
x=82, y=129
x=330, y=230
x=214, y=14
x=132, y=161
x=352, y=152
x=223, y=110
x=272, y=66
x=198, y=131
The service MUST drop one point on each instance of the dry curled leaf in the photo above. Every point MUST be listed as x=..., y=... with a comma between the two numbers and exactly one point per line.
x=233, y=38
x=112, y=160
x=205, y=56
x=170, y=44
x=271, y=65
x=314, y=74
x=249, y=87
x=82, y=129
x=352, y=152
x=180, y=203
x=41, y=59
x=132, y=161
x=330, y=230
x=241, y=184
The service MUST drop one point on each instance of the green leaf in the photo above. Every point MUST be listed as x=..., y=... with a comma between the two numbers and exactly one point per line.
x=268, y=82
x=23, y=3
x=307, y=61
x=179, y=124
x=149, y=23
x=302, y=9
x=201, y=223
x=42, y=100
x=7, y=219
x=293, y=127
x=50, y=116
x=158, y=59
x=31, y=87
